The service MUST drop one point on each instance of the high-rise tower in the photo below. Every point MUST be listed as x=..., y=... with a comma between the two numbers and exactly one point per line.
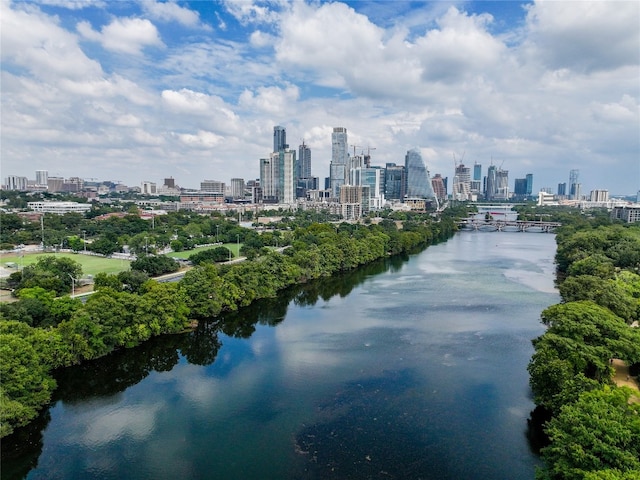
x=574, y=193
x=418, y=180
x=304, y=161
x=279, y=138
x=339, y=154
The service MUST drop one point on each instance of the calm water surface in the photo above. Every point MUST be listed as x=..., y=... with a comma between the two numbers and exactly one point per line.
x=408, y=369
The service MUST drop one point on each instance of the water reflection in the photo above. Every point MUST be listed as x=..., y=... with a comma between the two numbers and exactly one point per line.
x=104, y=379
x=402, y=369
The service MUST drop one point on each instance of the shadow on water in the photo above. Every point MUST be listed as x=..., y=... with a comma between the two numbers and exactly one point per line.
x=114, y=373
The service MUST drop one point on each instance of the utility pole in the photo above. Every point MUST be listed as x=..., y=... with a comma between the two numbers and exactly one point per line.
x=73, y=285
x=84, y=240
x=238, y=244
x=42, y=229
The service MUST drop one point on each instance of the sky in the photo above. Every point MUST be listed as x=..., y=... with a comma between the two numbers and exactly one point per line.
x=142, y=91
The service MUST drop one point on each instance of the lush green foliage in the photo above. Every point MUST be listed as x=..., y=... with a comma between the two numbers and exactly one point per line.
x=213, y=255
x=599, y=432
x=49, y=272
x=154, y=265
x=594, y=431
x=44, y=332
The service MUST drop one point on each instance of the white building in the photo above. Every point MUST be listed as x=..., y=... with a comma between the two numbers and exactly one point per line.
x=213, y=186
x=42, y=177
x=59, y=208
x=148, y=188
x=627, y=213
x=14, y=182
x=599, y=196
x=545, y=198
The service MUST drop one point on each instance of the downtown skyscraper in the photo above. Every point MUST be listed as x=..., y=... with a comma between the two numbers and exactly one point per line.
x=339, y=155
x=304, y=161
x=279, y=138
x=418, y=180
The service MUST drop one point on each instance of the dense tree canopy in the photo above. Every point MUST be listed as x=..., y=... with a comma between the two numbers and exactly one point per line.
x=594, y=431
x=44, y=331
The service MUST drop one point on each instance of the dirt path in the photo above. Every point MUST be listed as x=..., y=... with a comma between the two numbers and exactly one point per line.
x=622, y=378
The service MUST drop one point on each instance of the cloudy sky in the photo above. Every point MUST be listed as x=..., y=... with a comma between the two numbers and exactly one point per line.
x=135, y=91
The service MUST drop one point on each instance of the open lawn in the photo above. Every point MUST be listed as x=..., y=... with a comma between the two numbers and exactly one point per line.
x=187, y=253
x=91, y=264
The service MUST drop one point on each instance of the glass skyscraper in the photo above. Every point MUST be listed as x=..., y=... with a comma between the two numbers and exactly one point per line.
x=304, y=161
x=339, y=154
x=418, y=181
x=279, y=138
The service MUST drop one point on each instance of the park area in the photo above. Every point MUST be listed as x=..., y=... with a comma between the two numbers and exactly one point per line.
x=185, y=254
x=91, y=264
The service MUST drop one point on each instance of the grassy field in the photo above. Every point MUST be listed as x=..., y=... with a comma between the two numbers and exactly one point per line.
x=187, y=253
x=90, y=264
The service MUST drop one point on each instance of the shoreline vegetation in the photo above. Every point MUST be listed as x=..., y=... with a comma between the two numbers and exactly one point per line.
x=586, y=365
x=40, y=333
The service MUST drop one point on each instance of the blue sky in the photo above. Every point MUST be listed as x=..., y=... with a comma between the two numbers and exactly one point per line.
x=135, y=91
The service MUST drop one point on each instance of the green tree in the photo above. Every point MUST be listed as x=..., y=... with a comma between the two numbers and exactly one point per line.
x=49, y=273
x=212, y=255
x=154, y=265
x=26, y=384
x=600, y=431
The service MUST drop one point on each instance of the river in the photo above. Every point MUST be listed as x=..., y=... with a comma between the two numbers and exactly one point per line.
x=411, y=368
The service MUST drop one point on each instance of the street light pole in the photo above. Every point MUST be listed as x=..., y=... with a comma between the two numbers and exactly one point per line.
x=73, y=285
x=238, y=244
x=84, y=239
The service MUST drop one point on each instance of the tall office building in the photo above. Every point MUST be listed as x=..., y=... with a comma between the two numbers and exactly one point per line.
x=520, y=187
x=562, y=189
x=279, y=138
x=418, y=180
x=269, y=174
x=42, y=177
x=462, y=183
x=497, y=184
x=237, y=188
x=490, y=183
x=277, y=177
x=395, y=182
x=599, y=196
x=573, y=184
x=477, y=172
x=502, y=184
x=304, y=161
x=439, y=187
x=529, y=179
x=287, y=159
x=213, y=186
x=14, y=182
x=374, y=178
x=55, y=184
x=339, y=155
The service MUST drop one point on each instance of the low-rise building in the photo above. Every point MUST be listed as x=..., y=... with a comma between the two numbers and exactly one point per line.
x=627, y=213
x=59, y=208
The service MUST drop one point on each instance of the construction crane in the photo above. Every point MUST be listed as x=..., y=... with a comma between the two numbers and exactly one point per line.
x=455, y=163
x=354, y=148
x=367, y=158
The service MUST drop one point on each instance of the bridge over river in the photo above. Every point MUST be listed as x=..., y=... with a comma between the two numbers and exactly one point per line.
x=490, y=225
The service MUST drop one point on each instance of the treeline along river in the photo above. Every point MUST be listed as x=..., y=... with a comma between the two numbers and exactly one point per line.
x=412, y=367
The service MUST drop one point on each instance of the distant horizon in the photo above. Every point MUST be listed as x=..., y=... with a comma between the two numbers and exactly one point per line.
x=321, y=179
x=145, y=90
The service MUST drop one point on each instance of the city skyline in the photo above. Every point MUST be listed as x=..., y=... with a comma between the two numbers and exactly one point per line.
x=143, y=91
